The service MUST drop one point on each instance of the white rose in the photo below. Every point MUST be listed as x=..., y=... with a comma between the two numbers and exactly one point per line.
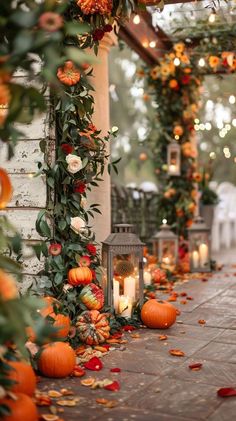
x=67, y=287
x=83, y=202
x=74, y=163
x=77, y=224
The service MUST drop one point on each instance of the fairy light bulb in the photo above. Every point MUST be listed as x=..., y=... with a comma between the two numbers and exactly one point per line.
x=232, y=99
x=176, y=61
x=201, y=62
x=152, y=44
x=212, y=18
x=164, y=221
x=136, y=20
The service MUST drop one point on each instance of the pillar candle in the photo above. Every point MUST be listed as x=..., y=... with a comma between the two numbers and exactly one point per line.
x=172, y=168
x=195, y=259
x=129, y=288
x=125, y=306
x=203, y=254
x=147, y=277
x=116, y=295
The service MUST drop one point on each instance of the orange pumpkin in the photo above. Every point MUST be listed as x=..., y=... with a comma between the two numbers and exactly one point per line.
x=22, y=408
x=8, y=288
x=23, y=374
x=80, y=276
x=158, y=314
x=68, y=74
x=5, y=189
x=62, y=322
x=56, y=360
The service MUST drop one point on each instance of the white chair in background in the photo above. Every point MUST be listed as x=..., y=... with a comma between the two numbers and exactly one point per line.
x=223, y=217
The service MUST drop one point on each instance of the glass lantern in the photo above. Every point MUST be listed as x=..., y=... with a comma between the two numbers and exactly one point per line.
x=165, y=247
x=173, y=159
x=122, y=261
x=199, y=246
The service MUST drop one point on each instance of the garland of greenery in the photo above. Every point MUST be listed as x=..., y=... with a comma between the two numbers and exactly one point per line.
x=175, y=84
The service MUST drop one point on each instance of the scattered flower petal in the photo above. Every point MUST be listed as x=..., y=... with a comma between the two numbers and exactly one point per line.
x=163, y=337
x=195, y=366
x=128, y=328
x=226, y=392
x=177, y=352
x=115, y=370
x=78, y=371
x=54, y=394
x=113, y=387
x=67, y=402
x=94, y=364
x=202, y=322
x=87, y=382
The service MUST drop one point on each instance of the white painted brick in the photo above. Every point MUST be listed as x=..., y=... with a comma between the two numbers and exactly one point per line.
x=28, y=191
x=37, y=129
x=27, y=154
x=24, y=220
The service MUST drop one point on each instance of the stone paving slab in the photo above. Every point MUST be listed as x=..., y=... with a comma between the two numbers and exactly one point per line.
x=156, y=386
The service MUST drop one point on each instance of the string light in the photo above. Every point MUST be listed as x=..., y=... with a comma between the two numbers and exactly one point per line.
x=152, y=44
x=232, y=99
x=176, y=137
x=234, y=122
x=136, y=20
x=208, y=126
x=201, y=62
x=212, y=18
x=196, y=120
x=212, y=155
x=176, y=61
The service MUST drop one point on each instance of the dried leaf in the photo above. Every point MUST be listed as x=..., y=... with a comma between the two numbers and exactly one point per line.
x=102, y=401
x=226, y=392
x=183, y=302
x=67, y=402
x=78, y=371
x=172, y=298
x=135, y=335
x=183, y=294
x=111, y=404
x=43, y=400
x=115, y=370
x=54, y=394
x=190, y=298
x=94, y=364
x=49, y=417
x=114, y=386
x=101, y=348
x=204, y=279
x=87, y=382
x=178, y=312
x=202, y=322
x=177, y=352
x=66, y=392
x=195, y=366
x=163, y=337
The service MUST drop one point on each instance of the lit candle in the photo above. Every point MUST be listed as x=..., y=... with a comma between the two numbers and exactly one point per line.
x=129, y=288
x=166, y=260
x=125, y=306
x=147, y=277
x=116, y=295
x=172, y=168
x=195, y=259
x=203, y=254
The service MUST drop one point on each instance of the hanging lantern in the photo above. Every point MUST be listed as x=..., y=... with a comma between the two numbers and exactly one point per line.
x=199, y=246
x=173, y=159
x=165, y=247
x=122, y=261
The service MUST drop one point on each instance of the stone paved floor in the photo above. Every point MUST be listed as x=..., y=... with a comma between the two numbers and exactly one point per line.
x=156, y=386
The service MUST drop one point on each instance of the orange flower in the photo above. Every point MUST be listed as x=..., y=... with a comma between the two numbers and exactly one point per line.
x=187, y=70
x=197, y=177
x=89, y=7
x=4, y=76
x=214, y=62
x=68, y=74
x=189, y=223
x=178, y=130
x=50, y=21
x=179, y=47
x=154, y=73
x=5, y=95
x=191, y=207
x=173, y=84
x=179, y=212
x=3, y=114
x=8, y=288
x=184, y=58
x=194, y=194
x=169, y=193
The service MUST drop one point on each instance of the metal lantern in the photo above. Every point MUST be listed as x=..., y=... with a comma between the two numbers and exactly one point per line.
x=165, y=247
x=199, y=246
x=122, y=260
x=173, y=159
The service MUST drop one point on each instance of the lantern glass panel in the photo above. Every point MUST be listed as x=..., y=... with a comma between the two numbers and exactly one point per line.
x=168, y=252
x=173, y=159
x=200, y=251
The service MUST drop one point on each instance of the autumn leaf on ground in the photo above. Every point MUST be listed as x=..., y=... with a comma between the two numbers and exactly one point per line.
x=183, y=302
x=94, y=364
x=67, y=402
x=87, y=382
x=183, y=294
x=113, y=387
x=202, y=322
x=195, y=366
x=190, y=298
x=49, y=417
x=43, y=400
x=78, y=371
x=177, y=352
x=115, y=370
x=135, y=335
x=172, y=298
x=226, y=392
x=163, y=337
x=101, y=348
x=54, y=394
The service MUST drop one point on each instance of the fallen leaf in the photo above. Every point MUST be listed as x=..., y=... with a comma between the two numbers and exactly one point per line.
x=226, y=392
x=78, y=371
x=190, y=298
x=204, y=279
x=43, y=400
x=177, y=352
x=87, y=382
x=183, y=302
x=178, y=312
x=183, y=294
x=135, y=335
x=172, y=298
x=111, y=404
x=115, y=370
x=94, y=364
x=54, y=394
x=163, y=337
x=114, y=387
x=49, y=417
x=102, y=401
x=128, y=328
x=113, y=341
x=202, y=322
x=67, y=402
x=195, y=366
x=66, y=392
x=101, y=348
